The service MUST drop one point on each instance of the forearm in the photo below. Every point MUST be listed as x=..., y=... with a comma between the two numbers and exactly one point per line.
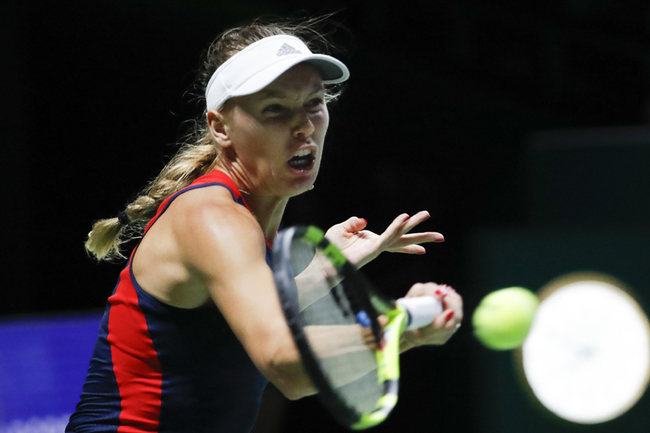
x=279, y=361
x=406, y=343
x=316, y=281
x=332, y=345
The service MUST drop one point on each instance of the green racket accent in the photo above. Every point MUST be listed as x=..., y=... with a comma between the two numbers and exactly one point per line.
x=388, y=357
x=335, y=255
x=387, y=368
x=366, y=421
x=314, y=235
x=389, y=400
x=382, y=305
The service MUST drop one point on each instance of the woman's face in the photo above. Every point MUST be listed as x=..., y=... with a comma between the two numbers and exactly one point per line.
x=276, y=135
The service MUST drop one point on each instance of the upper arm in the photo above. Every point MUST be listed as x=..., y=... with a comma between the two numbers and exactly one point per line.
x=222, y=243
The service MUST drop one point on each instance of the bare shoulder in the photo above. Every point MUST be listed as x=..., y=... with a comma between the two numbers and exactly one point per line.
x=212, y=230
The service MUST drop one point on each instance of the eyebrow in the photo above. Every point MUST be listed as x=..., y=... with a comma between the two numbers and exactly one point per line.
x=270, y=93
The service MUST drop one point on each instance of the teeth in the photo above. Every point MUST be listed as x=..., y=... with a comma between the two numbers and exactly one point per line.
x=300, y=153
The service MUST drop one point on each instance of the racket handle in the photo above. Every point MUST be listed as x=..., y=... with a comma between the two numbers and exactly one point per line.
x=422, y=310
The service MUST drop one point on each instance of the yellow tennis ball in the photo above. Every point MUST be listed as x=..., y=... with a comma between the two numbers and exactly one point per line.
x=503, y=318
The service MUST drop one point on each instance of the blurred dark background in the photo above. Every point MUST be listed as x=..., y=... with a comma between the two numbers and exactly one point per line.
x=479, y=111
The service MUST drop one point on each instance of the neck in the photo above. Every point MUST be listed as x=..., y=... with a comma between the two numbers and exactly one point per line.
x=267, y=209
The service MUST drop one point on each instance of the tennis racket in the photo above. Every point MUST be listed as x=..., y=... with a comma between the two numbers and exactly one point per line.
x=333, y=313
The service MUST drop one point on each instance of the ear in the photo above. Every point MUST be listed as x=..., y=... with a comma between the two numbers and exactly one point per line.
x=218, y=128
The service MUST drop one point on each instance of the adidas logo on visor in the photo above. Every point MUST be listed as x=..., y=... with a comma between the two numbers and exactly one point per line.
x=287, y=49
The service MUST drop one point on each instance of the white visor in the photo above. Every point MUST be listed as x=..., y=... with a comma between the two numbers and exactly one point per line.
x=260, y=63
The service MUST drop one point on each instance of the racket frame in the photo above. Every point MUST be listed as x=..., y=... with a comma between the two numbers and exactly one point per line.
x=387, y=339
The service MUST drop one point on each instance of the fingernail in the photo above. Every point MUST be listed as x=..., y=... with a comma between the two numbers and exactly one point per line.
x=447, y=288
x=449, y=316
x=439, y=292
x=364, y=220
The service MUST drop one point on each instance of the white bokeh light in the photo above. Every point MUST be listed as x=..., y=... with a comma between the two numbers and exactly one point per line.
x=587, y=356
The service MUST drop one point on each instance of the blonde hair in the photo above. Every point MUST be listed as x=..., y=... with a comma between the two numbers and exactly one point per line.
x=197, y=153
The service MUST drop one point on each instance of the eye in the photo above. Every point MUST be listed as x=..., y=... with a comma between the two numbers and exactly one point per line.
x=314, y=103
x=273, y=109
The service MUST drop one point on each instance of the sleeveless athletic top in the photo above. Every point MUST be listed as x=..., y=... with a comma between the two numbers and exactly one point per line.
x=158, y=368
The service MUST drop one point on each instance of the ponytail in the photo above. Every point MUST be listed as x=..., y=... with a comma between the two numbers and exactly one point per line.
x=196, y=157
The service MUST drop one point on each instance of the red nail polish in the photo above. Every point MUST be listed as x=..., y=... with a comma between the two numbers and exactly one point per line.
x=449, y=316
x=439, y=292
x=447, y=288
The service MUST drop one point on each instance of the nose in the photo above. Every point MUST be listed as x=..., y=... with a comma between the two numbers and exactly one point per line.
x=304, y=127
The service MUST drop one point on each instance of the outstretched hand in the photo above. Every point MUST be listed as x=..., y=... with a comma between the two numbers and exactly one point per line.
x=361, y=246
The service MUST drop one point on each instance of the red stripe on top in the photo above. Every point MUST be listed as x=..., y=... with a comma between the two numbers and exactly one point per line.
x=135, y=361
x=215, y=176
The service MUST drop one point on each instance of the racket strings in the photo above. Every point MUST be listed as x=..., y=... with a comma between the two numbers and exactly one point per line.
x=344, y=343
x=349, y=362
x=339, y=301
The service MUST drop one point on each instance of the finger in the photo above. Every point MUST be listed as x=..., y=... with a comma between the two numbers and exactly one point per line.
x=354, y=224
x=409, y=223
x=409, y=249
x=451, y=301
x=415, y=220
x=406, y=238
x=424, y=289
x=443, y=319
x=454, y=299
x=452, y=319
x=394, y=229
x=454, y=302
x=416, y=239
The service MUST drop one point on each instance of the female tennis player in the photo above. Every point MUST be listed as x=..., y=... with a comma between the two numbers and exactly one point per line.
x=193, y=330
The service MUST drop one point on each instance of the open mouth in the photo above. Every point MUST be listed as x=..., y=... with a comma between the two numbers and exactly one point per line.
x=302, y=160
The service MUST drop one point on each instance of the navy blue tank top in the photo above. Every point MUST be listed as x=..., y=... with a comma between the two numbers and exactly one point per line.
x=158, y=368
